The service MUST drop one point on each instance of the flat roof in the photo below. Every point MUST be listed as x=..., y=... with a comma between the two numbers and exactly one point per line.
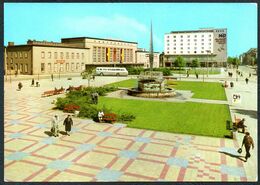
x=97, y=39
x=43, y=45
x=197, y=31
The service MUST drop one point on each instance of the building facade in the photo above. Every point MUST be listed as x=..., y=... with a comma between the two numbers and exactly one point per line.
x=209, y=46
x=41, y=57
x=249, y=57
x=73, y=55
x=142, y=56
x=107, y=52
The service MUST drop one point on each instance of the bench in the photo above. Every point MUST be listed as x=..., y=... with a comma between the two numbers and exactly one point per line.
x=109, y=118
x=236, y=126
x=71, y=108
x=48, y=93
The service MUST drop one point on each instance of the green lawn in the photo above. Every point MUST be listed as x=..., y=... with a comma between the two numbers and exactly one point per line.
x=201, y=90
x=188, y=118
x=199, y=71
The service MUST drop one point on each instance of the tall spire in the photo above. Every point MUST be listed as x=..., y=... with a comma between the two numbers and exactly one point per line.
x=151, y=49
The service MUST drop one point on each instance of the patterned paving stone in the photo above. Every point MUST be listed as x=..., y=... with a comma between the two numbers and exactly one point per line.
x=108, y=175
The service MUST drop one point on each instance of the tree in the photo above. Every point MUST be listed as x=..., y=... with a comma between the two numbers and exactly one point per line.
x=236, y=61
x=88, y=74
x=195, y=63
x=179, y=62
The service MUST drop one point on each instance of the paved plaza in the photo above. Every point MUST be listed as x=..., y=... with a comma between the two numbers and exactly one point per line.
x=113, y=152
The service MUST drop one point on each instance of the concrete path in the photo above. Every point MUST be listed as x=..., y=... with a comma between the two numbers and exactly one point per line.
x=105, y=152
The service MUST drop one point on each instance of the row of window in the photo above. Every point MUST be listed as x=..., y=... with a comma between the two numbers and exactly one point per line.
x=60, y=67
x=195, y=40
x=188, y=36
x=62, y=55
x=22, y=67
x=187, y=48
x=188, y=44
x=187, y=52
x=20, y=54
x=112, y=42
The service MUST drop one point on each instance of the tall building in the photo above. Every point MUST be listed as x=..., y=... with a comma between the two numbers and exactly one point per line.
x=209, y=46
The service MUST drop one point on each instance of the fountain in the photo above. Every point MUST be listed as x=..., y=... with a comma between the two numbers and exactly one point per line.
x=151, y=84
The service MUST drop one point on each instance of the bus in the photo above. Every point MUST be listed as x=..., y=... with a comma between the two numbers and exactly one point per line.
x=111, y=71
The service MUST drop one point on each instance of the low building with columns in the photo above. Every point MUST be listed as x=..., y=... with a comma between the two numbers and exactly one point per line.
x=142, y=56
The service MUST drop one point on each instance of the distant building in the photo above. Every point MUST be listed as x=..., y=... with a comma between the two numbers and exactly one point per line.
x=42, y=57
x=249, y=57
x=209, y=46
x=142, y=56
x=73, y=55
x=107, y=52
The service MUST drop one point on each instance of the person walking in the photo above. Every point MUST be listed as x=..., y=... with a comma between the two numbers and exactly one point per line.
x=197, y=75
x=248, y=142
x=55, y=126
x=95, y=96
x=20, y=85
x=51, y=77
x=247, y=80
x=68, y=122
x=32, y=82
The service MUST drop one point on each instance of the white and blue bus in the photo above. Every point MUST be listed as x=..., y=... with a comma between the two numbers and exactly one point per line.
x=111, y=71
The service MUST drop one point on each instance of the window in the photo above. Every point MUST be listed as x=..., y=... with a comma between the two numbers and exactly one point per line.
x=209, y=43
x=49, y=54
x=67, y=67
x=181, y=36
x=42, y=67
x=78, y=55
x=174, y=36
x=188, y=47
x=61, y=55
x=209, y=39
x=195, y=36
x=188, y=36
x=21, y=67
x=20, y=54
x=188, y=40
x=195, y=40
x=16, y=67
x=202, y=47
x=61, y=67
x=202, y=39
x=72, y=66
x=195, y=47
x=77, y=67
x=174, y=48
x=55, y=55
x=195, y=51
x=181, y=44
x=43, y=54
x=167, y=40
x=188, y=43
x=167, y=36
x=174, y=40
x=202, y=35
x=181, y=40
x=181, y=51
x=82, y=56
x=55, y=67
x=49, y=66
x=15, y=54
x=181, y=47
x=26, y=68
x=72, y=55
x=11, y=61
x=67, y=55
x=188, y=51
x=202, y=51
x=202, y=43
x=82, y=66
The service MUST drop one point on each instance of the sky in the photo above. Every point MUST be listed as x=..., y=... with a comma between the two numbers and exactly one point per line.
x=130, y=22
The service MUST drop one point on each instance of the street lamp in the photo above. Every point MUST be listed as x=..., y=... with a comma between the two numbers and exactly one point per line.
x=208, y=51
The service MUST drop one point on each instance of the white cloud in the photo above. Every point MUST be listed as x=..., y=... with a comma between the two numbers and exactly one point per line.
x=114, y=27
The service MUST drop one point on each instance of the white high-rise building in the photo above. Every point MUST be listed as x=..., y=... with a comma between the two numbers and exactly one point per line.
x=202, y=44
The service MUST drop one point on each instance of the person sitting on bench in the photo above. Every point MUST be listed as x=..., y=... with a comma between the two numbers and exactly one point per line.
x=241, y=124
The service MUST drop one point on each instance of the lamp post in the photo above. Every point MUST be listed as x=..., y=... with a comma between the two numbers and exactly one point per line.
x=208, y=51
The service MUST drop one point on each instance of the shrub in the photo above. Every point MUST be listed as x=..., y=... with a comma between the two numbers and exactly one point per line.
x=164, y=70
x=125, y=117
x=61, y=102
x=135, y=70
x=88, y=111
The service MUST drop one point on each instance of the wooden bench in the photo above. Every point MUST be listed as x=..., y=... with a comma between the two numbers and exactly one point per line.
x=71, y=108
x=109, y=118
x=236, y=126
x=48, y=93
